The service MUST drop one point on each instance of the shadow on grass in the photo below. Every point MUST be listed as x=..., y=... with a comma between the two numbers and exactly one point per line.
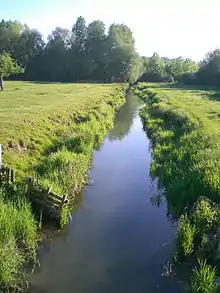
x=179, y=86
x=70, y=82
x=215, y=96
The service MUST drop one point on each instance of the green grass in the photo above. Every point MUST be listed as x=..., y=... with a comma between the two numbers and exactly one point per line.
x=184, y=127
x=18, y=241
x=48, y=131
x=203, y=278
x=35, y=118
x=40, y=124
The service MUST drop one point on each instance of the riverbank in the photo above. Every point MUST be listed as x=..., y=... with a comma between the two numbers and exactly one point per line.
x=49, y=135
x=184, y=128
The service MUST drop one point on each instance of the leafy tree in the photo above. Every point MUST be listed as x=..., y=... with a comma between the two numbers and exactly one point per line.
x=8, y=66
x=84, y=53
x=78, y=50
x=178, y=66
x=95, y=50
x=120, y=50
x=154, y=68
x=209, y=71
x=9, y=35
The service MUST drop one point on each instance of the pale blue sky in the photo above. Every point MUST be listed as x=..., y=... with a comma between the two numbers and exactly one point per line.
x=172, y=28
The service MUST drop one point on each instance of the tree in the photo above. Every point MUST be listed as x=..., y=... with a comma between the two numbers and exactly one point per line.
x=154, y=68
x=9, y=35
x=8, y=66
x=78, y=57
x=29, y=44
x=84, y=53
x=177, y=67
x=95, y=50
x=120, y=50
x=209, y=71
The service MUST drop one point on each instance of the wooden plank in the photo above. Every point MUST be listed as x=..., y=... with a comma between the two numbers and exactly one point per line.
x=63, y=201
x=30, y=187
x=51, y=204
x=52, y=199
x=59, y=197
x=8, y=171
x=12, y=176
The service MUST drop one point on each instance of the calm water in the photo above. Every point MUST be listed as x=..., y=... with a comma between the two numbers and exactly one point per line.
x=118, y=240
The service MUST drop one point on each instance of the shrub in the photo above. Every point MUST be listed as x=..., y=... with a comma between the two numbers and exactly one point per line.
x=204, y=216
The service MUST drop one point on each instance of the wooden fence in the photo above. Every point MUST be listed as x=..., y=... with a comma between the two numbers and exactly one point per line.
x=48, y=202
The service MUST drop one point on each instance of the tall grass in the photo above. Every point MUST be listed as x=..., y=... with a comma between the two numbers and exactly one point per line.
x=203, y=279
x=18, y=242
x=51, y=138
x=184, y=128
x=185, y=237
x=186, y=151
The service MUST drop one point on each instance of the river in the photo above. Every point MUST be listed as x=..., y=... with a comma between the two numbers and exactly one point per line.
x=118, y=239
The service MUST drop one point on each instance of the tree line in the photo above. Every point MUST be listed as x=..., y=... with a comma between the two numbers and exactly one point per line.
x=91, y=53
x=205, y=72
x=86, y=52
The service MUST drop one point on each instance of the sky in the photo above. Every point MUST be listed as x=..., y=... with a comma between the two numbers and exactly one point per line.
x=173, y=28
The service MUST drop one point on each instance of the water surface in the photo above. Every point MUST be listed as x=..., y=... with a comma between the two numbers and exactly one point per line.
x=118, y=240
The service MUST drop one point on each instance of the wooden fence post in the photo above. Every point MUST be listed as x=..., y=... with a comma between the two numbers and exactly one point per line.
x=64, y=199
x=30, y=186
x=12, y=175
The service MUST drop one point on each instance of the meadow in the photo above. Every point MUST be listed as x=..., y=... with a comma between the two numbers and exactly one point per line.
x=48, y=131
x=184, y=126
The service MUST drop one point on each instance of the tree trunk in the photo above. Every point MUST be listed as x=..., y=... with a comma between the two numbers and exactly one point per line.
x=1, y=83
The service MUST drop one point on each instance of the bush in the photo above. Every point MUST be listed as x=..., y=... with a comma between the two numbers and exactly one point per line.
x=204, y=216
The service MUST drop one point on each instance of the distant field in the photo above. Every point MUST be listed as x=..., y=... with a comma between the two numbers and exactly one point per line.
x=33, y=115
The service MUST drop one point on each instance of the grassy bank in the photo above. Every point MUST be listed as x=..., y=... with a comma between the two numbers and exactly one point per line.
x=38, y=119
x=184, y=126
x=48, y=131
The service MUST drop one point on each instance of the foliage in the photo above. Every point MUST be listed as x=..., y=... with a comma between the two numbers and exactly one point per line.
x=177, y=67
x=185, y=237
x=183, y=124
x=159, y=69
x=184, y=129
x=86, y=52
x=203, y=278
x=18, y=240
x=209, y=71
x=204, y=216
x=8, y=66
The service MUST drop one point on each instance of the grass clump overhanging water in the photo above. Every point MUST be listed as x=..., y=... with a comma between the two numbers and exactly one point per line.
x=184, y=127
x=18, y=241
x=203, y=279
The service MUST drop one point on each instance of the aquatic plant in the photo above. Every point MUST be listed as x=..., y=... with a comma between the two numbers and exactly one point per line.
x=203, y=278
x=185, y=237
